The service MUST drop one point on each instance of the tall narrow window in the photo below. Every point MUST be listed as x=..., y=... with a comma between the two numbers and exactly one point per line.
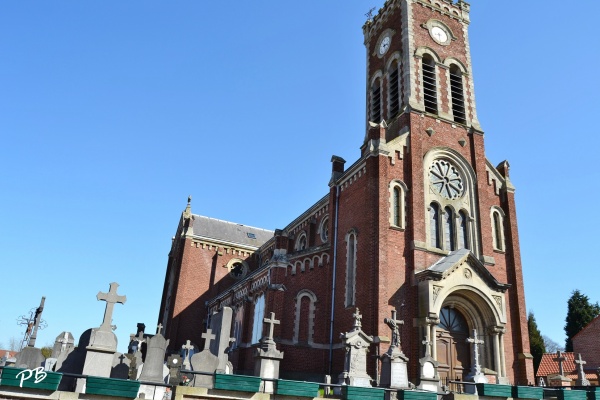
x=394, y=90
x=457, y=94
x=463, y=235
x=376, y=101
x=429, y=85
x=397, y=204
x=498, y=233
x=238, y=325
x=434, y=220
x=449, y=238
x=259, y=316
x=351, y=270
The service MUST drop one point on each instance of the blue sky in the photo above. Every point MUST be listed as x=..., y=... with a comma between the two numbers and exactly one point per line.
x=114, y=112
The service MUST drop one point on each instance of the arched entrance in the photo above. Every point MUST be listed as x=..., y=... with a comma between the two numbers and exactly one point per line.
x=453, y=350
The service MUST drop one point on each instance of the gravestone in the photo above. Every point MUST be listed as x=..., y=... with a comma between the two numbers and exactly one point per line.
x=103, y=342
x=49, y=364
x=475, y=375
x=120, y=366
x=186, y=349
x=581, y=378
x=154, y=365
x=267, y=357
x=30, y=356
x=220, y=324
x=394, y=372
x=174, y=363
x=64, y=344
x=559, y=379
x=139, y=343
x=429, y=379
x=155, y=359
x=356, y=344
x=205, y=362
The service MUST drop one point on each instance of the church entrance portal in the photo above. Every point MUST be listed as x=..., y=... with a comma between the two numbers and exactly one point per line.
x=453, y=352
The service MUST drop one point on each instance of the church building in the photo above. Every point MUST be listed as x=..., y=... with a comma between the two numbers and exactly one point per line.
x=421, y=223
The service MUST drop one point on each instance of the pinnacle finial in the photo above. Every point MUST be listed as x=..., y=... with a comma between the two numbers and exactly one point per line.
x=190, y=199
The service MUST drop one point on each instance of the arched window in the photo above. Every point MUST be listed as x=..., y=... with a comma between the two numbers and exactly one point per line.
x=376, y=101
x=238, y=325
x=397, y=204
x=301, y=242
x=463, y=230
x=350, y=269
x=449, y=234
x=259, y=316
x=394, y=92
x=305, y=316
x=457, y=94
x=498, y=229
x=429, y=84
x=324, y=230
x=434, y=222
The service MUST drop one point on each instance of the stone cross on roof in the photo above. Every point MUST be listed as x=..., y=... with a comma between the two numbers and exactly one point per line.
x=159, y=329
x=272, y=322
x=560, y=358
x=111, y=298
x=209, y=337
x=357, y=319
x=475, y=342
x=427, y=344
x=393, y=323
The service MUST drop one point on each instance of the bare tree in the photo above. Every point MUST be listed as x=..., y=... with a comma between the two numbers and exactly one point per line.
x=551, y=345
x=14, y=344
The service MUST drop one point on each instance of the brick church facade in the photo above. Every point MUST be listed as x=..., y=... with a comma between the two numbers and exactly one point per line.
x=422, y=223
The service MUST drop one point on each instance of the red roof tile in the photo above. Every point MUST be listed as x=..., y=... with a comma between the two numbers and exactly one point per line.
x=548, y=366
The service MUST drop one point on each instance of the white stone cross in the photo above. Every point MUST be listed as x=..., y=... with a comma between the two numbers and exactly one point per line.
x=272, y=322
x=560, y=358
x=186, y=359
x=581, y=378
x=475, y=342
x=208, y=336
x=159, y=329
x=426, y=342
x=357, y=318
x=139, y=340
x=111, y=298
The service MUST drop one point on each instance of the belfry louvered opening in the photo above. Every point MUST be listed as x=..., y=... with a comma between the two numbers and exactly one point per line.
x=457, y=93
x=429, y=85
x=376, y=101
x=394, y=90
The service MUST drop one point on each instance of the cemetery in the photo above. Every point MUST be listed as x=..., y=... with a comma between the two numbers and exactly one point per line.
x=94, y=369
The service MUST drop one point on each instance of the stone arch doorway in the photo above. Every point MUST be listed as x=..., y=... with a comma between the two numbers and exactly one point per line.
x=453, y=352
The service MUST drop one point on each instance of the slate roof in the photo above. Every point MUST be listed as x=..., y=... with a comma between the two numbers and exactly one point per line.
x=449, y=261
x=230, y=232
x=550, y=367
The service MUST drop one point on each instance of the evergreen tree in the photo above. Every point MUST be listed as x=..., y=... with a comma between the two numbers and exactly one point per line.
x=579, y=313
x=536, y=341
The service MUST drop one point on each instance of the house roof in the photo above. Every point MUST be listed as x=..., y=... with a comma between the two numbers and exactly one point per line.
x=548, y=366
x=11, y=354
x=230, y=232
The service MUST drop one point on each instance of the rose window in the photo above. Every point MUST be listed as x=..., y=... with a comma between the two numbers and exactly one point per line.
x=446, y=179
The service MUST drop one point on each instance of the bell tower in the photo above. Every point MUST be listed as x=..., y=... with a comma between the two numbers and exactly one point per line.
x=418, y=60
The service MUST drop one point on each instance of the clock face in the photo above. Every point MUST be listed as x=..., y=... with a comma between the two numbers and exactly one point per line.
x=446, y=179
x=439, y=35
x=385, y=45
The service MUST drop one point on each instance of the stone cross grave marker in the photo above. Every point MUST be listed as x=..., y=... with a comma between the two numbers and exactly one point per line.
x=208, y=337
x=186, y=358
x=394, y=324
x=560, y=358
x=581, y=378
x=271, y=322
x=427, y=344
x=357, y=319
x=159, y=329
x=111, y=298
x=476, y=369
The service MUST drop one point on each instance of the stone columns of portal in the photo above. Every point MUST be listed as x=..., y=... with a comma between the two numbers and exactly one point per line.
x=497, y=333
